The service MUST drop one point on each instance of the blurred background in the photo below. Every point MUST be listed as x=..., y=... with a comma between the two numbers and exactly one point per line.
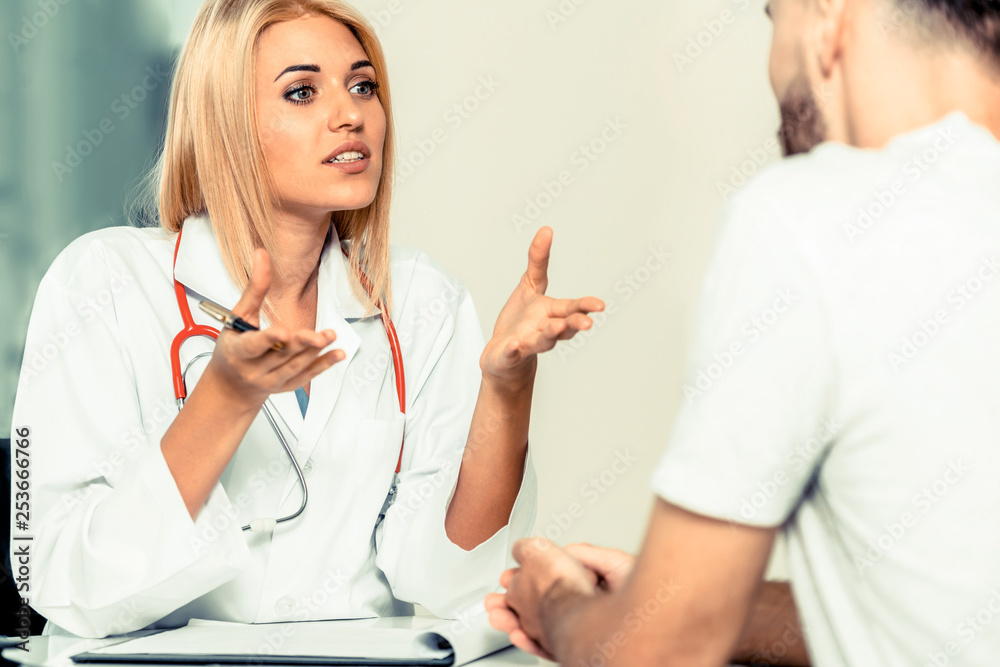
x=622, y=125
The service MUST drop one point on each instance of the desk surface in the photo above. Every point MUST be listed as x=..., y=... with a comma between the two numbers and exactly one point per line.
x=38, y=654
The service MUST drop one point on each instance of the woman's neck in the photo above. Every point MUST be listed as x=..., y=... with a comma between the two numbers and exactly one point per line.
x=298, y=246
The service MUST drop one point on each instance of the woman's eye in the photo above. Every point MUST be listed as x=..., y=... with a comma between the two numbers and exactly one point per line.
x=365, y=88
x=300, y=95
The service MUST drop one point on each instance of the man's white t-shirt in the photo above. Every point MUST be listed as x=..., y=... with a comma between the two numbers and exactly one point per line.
x=845, y=382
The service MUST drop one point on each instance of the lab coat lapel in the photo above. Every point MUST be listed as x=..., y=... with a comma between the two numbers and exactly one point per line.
x=336, y=305
x=201, y=269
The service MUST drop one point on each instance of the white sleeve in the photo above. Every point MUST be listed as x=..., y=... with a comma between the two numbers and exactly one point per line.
x=757, y=416
x=114, y=546
x=419, y=560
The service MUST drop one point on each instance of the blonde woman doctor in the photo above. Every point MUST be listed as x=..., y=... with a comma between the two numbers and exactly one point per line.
x=274, y=200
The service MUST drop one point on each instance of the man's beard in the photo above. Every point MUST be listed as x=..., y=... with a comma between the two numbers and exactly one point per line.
x=802, y=125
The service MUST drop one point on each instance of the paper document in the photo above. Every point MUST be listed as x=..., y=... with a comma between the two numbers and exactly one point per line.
x=375, y=641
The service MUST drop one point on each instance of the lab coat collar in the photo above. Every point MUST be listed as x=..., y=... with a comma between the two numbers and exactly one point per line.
x=199, y=265
x=334, y=267
x=201, y=269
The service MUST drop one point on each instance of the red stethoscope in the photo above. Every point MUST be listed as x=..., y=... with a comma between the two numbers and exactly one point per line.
x=180, y=388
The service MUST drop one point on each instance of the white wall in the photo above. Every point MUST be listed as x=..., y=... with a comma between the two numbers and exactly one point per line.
x=558, y=82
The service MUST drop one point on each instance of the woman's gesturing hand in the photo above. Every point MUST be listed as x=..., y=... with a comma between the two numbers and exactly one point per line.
x=247, y=362
x=531, y=323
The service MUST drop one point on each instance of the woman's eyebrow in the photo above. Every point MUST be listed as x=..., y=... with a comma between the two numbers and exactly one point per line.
x=297, y=68
x=315, y=68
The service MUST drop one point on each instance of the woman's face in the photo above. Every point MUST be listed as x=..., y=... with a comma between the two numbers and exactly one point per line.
x=321, y=124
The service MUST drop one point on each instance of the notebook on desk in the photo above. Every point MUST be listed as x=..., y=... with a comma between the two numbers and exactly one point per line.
x=383, y=641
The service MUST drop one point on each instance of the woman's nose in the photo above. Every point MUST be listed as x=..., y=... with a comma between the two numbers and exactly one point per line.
x=345, y=112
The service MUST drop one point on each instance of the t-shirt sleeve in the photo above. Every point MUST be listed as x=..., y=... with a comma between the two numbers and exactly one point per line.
x=756, y=418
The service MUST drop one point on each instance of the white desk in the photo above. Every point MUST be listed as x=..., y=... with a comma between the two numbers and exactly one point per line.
x=60, y=648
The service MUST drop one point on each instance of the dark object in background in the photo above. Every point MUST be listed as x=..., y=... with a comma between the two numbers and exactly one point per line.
x=10, y=601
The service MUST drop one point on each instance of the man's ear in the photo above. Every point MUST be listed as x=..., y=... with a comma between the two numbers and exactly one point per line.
x=830, y=32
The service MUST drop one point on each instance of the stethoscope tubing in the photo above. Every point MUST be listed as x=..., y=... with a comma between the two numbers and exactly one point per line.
x=288, y=450
x=191, y=329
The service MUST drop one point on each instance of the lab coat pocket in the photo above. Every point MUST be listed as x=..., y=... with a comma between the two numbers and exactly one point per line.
x=378, y=446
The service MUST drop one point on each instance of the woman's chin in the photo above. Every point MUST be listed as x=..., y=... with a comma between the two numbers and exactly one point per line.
x=350, y=203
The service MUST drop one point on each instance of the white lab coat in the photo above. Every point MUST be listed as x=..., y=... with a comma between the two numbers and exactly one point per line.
x=115, y=549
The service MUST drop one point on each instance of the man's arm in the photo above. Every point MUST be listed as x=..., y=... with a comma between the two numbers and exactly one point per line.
x=773, y=634
x=686, y=602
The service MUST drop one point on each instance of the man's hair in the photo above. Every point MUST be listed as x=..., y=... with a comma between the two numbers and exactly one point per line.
x=976, y=22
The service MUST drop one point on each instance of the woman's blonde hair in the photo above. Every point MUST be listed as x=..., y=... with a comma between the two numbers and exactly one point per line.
x=213, y=161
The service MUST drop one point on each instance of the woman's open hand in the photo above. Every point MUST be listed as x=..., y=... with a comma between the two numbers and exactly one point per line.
x=531, y=323
x=247, y=362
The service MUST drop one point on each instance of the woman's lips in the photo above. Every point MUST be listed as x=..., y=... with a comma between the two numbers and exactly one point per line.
x=351, y=167
x=352, y=157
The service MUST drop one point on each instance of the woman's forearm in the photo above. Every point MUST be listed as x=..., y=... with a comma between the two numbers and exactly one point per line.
x=203, y=438
x=493, y=462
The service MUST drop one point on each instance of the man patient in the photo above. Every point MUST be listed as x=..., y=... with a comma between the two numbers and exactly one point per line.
x=863, y=423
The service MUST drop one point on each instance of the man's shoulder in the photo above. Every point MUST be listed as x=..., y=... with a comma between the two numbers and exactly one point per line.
x=832, y=196
x=816, y=182
x=838, y=183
